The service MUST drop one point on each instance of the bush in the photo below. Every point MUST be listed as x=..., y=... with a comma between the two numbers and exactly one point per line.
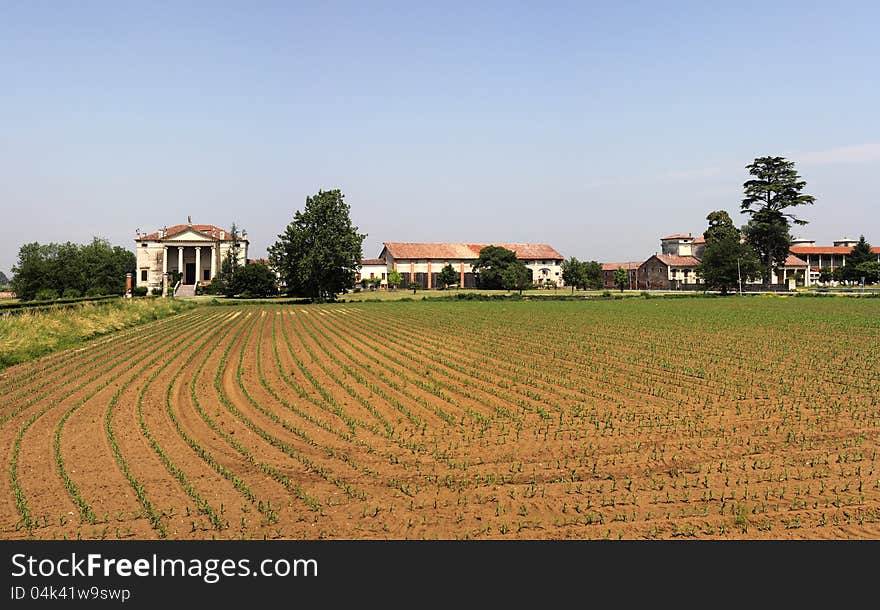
x=139, y=291
x=46, y=294
x=94, y=292
x=156, y=292
x=71, y=293
x=606, y=294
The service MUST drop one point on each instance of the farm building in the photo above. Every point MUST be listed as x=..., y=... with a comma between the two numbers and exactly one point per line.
x=676, y=266
x=817, y=257
x=372, y=268
x=195, y=251
x=421, y=262
x=632, y=272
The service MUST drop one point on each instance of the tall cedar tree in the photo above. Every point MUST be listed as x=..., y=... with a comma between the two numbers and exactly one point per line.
x=776, y=187
x=861, y=253
x=320, y=250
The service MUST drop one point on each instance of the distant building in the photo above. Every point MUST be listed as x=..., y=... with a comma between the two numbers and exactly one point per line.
x=668, y=272
x=196, y=251
x=421, y=262
x=817, y=257
x=632, y=274
x=371, y=268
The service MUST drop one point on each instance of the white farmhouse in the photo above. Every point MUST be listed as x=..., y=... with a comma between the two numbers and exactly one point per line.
x=195, y=251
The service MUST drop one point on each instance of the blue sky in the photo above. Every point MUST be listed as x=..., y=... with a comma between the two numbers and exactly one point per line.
x=595, y=127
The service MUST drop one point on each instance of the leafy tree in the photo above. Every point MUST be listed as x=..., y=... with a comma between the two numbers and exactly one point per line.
x=837, y=274
x=516, y=276
x=256, y=280
x=776, y=187
x=621, y=278
x=825, y=275
x=573, y=273
x=720, y=227
x=592, y=275
x=320, y=250
x=870, y=271
x=375, y=282
x=726, y=258
x=490, y=266
x=394, y=278
x=861, y=253
x=96, y=268
x=447, y=276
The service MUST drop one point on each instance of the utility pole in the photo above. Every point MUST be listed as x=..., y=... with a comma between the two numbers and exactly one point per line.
x=739, y=276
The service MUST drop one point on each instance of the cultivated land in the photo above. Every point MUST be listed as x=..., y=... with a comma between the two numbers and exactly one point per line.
x=707, y=418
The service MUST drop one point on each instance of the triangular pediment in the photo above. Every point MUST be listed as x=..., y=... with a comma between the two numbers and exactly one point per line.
x=189, y=235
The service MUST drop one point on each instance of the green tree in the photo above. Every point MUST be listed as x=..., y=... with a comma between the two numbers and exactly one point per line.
x=870, y=271
x=93, y=268
x=860, y=254
x=255, y=280
x=320, y=250
x=447, y=276
x=726, y=259
x=720, y=227
x=490, y=266
x=394, y=278
x=776, y=187
x=592, y=275
x=516, y=276
x=621, y=278
x=573, y=273
x=825, y=275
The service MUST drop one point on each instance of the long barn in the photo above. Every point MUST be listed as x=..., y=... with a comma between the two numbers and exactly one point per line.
x=421, y=262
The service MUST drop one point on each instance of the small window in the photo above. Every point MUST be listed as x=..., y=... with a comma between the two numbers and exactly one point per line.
x=143, y=275
x=144, y=245
x=383, y=276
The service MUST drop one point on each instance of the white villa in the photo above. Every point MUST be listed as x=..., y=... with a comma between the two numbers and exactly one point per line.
x=196, y=251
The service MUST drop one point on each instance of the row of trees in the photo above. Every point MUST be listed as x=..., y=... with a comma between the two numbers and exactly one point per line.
x=68, y=270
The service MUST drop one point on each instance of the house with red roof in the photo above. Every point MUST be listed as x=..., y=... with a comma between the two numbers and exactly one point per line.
x=421, y=263
x=195, y=251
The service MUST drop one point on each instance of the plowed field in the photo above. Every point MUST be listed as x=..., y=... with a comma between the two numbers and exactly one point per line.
x=706, y=418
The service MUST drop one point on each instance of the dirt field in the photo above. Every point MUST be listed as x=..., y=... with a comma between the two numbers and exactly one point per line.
x=725, y=418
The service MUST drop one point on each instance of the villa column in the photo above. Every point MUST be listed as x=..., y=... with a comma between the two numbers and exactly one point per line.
x=198, y=264
x=213, y=261
x=429, y=274
x=461, y=274
x=164, y=260
x=180, y=260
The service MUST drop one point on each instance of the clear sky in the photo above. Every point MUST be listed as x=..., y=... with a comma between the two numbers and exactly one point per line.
x=594, y=127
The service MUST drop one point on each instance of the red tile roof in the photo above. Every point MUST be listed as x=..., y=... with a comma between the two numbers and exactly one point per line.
x=208, y=230
x=444, y=251
x=700, y=240
x=827, y=249
x=793, y=261
x=372, y=261
x=677, y=261
x=677, y=236
x=614, y=266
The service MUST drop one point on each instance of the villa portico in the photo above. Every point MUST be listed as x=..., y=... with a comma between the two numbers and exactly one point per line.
x=194, y=251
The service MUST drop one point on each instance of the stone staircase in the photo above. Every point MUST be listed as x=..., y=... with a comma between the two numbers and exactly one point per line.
x=185, y=291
